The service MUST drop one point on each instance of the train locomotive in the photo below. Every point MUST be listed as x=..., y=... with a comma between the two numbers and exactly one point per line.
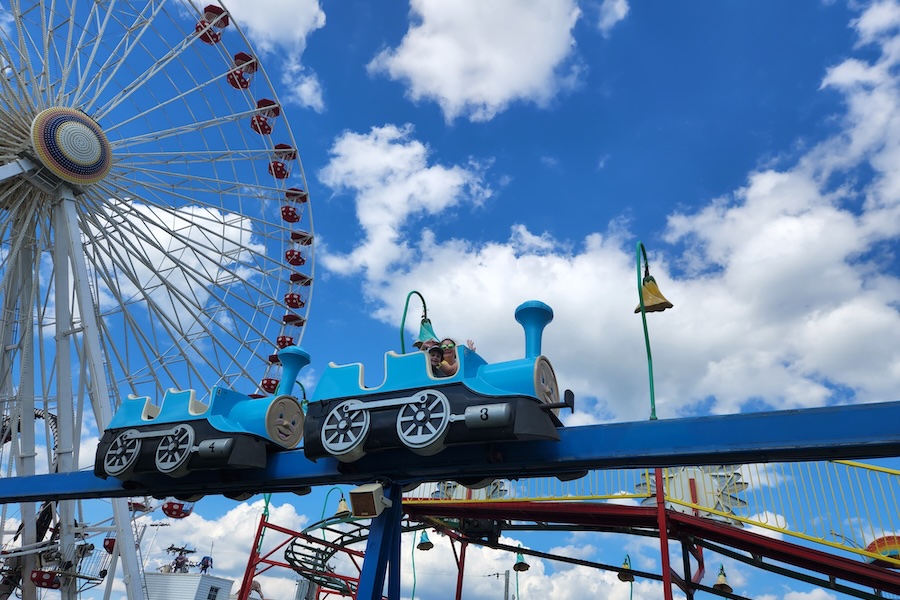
x=183, y=434
x=515, y=400
x=412, y=409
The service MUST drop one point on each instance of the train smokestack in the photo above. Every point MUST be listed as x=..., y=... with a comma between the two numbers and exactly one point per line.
x=534, y=316
x=293, y=358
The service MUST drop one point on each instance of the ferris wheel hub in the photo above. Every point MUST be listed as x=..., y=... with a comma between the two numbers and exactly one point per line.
x=71, y=145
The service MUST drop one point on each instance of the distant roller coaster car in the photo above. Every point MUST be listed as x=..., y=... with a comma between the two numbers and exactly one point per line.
x=509, y=401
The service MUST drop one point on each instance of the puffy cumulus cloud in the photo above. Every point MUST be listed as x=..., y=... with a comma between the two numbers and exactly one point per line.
x=579, y=551
x=389, y=174
x=302, y=86
x=280, y=28
x=783, y=294
x=879, y=19
x=475, y=58
x=611, y=12
x=278, y=24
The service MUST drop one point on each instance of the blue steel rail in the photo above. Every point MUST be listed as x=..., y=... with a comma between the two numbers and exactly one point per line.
x=839, y=432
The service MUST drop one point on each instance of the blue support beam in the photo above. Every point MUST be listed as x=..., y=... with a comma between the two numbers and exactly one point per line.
x=383, y=550
x=839, y=432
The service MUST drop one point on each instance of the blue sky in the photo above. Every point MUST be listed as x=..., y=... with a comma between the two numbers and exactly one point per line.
x=489, y=153
x=484, y=170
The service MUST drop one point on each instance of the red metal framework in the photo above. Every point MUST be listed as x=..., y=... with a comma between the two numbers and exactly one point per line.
x=692, y=531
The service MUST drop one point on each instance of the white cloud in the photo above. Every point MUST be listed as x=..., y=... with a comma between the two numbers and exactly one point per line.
x=393, y=182
x=302, y=85
x=228, y=539
x=276, y=24
x=475, y=58
x=879, y=19
x=611, y=12
x=783, y=301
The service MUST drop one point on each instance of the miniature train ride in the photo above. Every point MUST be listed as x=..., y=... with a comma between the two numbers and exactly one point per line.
x=183, y=434
x=412, y=409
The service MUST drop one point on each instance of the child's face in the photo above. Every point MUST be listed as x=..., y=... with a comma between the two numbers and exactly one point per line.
x=435, y=354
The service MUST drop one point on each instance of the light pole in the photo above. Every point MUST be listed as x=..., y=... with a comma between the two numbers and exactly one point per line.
x=424, y=544
x=520, y=566
x=650, y=300
x=342, y=510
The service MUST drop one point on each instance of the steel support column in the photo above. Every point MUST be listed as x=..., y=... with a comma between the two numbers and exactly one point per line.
x=382, y=549
x=662, y=523
x=460, y=567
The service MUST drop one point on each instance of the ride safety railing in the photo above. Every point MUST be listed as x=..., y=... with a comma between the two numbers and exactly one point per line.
x=850, y=507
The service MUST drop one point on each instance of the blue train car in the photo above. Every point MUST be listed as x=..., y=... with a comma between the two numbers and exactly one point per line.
x=509, y=401
x=183, y=434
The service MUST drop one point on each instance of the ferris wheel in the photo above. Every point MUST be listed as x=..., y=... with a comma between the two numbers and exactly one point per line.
x=155, y=233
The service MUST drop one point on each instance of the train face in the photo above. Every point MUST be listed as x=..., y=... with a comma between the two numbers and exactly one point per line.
x=516, y=400
x=184, y=435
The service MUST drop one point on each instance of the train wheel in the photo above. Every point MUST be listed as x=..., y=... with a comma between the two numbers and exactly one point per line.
x=122, y=454
x=423, y=424
x=174, y=450
x=345, y=429
x=545, y=386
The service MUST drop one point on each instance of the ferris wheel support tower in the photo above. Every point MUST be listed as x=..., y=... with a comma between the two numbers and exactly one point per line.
x=72, y=297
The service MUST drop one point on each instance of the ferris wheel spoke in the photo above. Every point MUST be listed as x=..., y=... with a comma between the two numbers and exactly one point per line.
x=160, y=105
x=23, y=84
x=131, y=40
x=23, y=101
x=55, y=49
x=110, y=279
x=135, y=141
x=165, y=189
x=200, y=277
x=210, y=229
x=191, y=303
x=64, y=55
x=13, y=198
x=206, y=157
x=179, y=335
x=74, y=60
x=161, y=63
x=17, y=129
x=215, y=231
x=125, y=363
